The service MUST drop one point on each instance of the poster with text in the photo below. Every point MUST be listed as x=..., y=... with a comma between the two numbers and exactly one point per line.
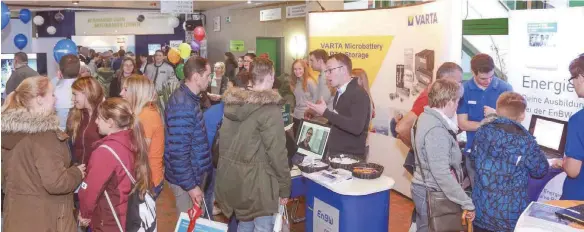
x=400, y=49
x=542, y=45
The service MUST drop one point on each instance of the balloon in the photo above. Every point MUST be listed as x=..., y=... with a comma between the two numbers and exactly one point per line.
x=173, y=22
x=173, y=56
x=20, y=41
x=24, y=15
x=185, y=50
x=199, y=33
x=51, y=30
x=38, y=20
x=64, y=47
x=195, y=46
x=5, y=15
x=180, y=72
x=59, y=17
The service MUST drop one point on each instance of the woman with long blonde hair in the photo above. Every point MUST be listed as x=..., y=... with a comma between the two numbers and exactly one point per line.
x=37, y=177
x=140, y=92
x=81, y=126
x=304, y=87
x=123, y=148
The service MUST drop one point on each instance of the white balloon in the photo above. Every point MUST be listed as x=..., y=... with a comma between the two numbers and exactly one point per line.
x=185, y=25
x=173, y=22
x=51, y=30
x=38, y=20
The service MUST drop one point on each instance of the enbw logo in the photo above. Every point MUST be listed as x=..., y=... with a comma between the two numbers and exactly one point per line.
x=429, y=18
x=325, y=217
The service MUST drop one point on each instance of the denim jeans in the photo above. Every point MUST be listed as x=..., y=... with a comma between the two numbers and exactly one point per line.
x=419, y=197
x=259, y=224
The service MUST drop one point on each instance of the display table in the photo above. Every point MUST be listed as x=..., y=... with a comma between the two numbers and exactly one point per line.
x=527, y=223
x=352, y=205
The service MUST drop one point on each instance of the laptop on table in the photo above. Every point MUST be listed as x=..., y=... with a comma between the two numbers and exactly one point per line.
x=312, y=141
x=550, y=135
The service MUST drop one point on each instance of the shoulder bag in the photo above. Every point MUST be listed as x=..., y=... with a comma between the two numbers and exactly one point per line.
x=443, y=214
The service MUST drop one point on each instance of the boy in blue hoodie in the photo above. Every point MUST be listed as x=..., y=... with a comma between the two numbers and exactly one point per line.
x=505, y=154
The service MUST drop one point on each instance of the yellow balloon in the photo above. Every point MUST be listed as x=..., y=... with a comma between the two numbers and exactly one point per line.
x=173, y=56
x=184, y=50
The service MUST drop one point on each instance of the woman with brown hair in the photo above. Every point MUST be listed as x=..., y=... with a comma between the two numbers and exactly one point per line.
x=81, y=127
x=128, y=69
x=304, y=87
x=140, y=92
x=36, y=173
x=105, y=191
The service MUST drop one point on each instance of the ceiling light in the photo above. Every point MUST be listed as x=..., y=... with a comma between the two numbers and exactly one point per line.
x=248, y=1
x=75, y=2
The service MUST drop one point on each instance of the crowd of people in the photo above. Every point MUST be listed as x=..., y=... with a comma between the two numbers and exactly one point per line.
x=219, y=140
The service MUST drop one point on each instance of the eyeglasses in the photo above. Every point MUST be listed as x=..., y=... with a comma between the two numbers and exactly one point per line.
x=571, y=80
x=330, y=70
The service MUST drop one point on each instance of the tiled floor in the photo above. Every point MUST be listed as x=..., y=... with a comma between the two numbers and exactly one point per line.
x=399, y=217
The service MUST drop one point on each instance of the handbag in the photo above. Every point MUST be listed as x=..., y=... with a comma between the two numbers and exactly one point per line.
x=443, y=214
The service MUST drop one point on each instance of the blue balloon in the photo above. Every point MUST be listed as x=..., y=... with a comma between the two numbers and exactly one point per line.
x=5, y=15
x=24, y=15
x=64, y=47
x=20, y=41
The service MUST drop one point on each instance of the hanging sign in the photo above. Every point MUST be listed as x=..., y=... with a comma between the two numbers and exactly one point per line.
x=176, y=6
x=296, y=11
x=271, y=14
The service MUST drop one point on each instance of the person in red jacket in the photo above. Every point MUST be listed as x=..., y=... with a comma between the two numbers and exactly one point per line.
x=124, y=135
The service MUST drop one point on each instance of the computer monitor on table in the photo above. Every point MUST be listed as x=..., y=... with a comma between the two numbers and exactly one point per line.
x=550, y=134
x=312, y=139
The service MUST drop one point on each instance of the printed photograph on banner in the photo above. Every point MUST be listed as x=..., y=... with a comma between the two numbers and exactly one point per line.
x=380, y=124
x=542, y=34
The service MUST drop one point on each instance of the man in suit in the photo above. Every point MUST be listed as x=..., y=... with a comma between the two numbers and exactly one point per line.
x=350, y=116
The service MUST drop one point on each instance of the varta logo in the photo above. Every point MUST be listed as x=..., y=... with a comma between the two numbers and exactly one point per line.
x=429, y=18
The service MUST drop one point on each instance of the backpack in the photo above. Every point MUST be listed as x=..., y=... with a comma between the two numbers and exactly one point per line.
x=141, y=214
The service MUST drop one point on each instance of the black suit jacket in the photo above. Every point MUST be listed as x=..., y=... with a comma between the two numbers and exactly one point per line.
x=350, y=122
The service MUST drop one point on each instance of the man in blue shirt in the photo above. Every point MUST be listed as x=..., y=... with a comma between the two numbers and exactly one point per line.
x=479, y=99
x=574, y=151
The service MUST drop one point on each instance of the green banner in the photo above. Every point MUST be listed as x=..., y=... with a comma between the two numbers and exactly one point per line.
x=236, y=45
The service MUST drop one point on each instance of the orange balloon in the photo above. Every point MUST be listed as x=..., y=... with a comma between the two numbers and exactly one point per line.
x=173, y=56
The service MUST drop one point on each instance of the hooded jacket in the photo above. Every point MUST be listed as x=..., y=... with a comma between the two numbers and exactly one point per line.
x=253, y=169
x=105, y=173
x=504, y=160
x=105, y=76
x=37, y=176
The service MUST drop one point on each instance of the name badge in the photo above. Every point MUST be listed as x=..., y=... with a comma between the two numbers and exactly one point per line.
x=472, y=102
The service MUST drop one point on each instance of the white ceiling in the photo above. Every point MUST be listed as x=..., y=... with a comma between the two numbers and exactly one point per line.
x=96, y=4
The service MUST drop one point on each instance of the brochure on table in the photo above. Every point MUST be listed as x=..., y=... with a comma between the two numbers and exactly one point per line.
x=541, y=217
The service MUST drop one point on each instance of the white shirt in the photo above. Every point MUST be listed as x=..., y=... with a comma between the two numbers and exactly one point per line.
x=63, y=99
x=341, y=90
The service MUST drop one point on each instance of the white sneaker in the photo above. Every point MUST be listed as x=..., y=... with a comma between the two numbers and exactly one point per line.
x=216, y=210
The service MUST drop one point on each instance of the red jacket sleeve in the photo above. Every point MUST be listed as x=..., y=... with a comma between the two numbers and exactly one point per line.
x=101, y=168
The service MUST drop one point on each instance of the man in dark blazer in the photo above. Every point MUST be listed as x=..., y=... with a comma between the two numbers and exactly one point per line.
x=349, y=118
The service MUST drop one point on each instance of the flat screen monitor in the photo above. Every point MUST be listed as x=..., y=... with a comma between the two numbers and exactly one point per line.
x=312, y=139
x=549, y=133
x=152, y=48
x=8, y=66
